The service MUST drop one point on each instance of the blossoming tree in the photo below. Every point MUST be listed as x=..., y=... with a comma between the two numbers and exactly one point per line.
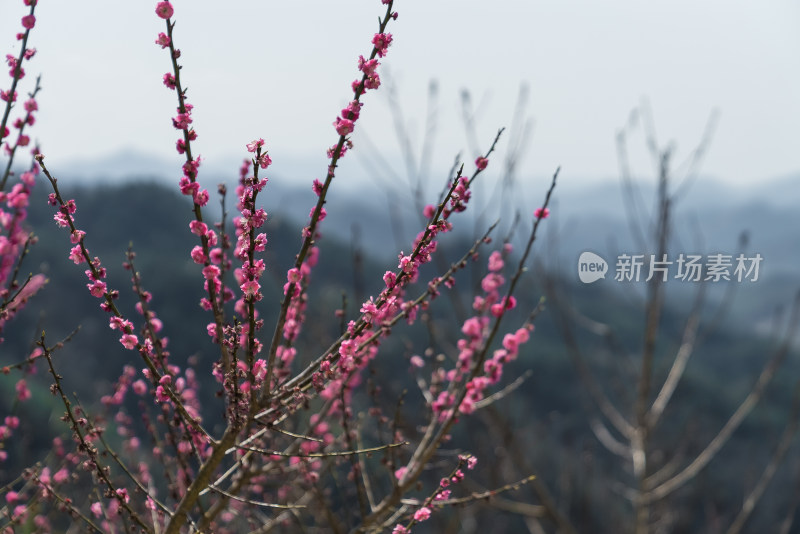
x=290, y=434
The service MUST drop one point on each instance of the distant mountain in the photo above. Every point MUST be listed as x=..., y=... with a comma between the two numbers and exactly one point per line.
x=709, y=216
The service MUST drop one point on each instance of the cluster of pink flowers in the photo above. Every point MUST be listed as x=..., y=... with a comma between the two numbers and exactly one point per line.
x=16, y=73
x=249, y=242
x=362, y=339
x=14, y=236
x=345, y=123
x=13, y=240
x=476, y=329
x=440, y=495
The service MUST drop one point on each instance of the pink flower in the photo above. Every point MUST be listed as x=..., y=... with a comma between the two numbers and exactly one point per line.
x=61, y=476
x=23, y=393
x=343, y=126
x=422, y=514
x=129, y=341
x=400, y=473
x=255, y=145
x=495, y=261
x=163, y=40
x=211, y=271
x=182, y=121
x=250, y=288
x=198, y=228
x=139, y=387
x=28, y=21
x=122, y=493
x=97, y=509
x=161, y=394
x=264, y=161
x=169, y=81
x=198, y=256
x=541, y=213
x=164, y=10
x=97, y=289
x=481, y=163
x=76, y=236
x=382, y=42
x=400, y=529
x=76, y=254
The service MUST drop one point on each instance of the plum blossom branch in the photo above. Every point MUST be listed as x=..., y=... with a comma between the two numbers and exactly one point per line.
x=84, y=445
x=344, y=126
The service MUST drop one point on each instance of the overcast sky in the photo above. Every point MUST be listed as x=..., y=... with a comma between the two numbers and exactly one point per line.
x=281, y=70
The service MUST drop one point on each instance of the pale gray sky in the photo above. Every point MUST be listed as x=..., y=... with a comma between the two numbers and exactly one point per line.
x=282, y=70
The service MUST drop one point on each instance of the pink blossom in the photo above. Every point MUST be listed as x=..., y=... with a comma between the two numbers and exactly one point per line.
x=481, y=163
x=198, y=228
x=422, y=514
x=97, y=509
x=211, y=271
x=400, y=529
x=164, y=10
x=264, y=161
x=198, y=256
x=76, y=254
x=382, y=42
x=98, y=288
x=343, y=126
x=442, y=495
x=250, y=288
x=139, y=387
x=255, y=145
x=76, y=236
x=161, y=394
x=367, y=66
x=169, y=81
x=122, y=493
x=541, y=213
x=201, y=198
x=163, y=40
x=129, y=341
x=61, y=476
x=61, y=219
x=182, y=121
x=23, y=393
x=495, y=261
x=400, y=473
x=29, y=21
